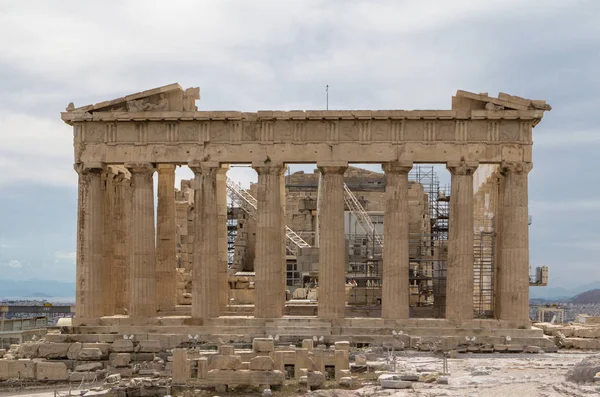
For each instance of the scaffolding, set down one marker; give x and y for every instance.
(232, 232)
(483, 268)
(363, 275)
(427, 251)
(248, 203)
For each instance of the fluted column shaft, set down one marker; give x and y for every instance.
(269, 263)
(205, 267)
(459, 272)
(513, 270)
(332, 264)
(142, 272)
(90, 233)
(166, 295)
(395, 282)
(108, 296)
(121, 253)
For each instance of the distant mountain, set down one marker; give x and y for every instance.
(591, 296)
(36, 288)
(558, 293)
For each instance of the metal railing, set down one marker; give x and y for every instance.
(249, 204)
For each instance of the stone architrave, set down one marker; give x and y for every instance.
(166, 296)
(395, 281)
(459, 272)
(513, 270)
(121, 253)
(332, 269)
(90, 233)
(205, 294)
(269, 264)
(142, 271)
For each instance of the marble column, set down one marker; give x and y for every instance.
(459, 272)
(205, 267)
(90, 233)
(269, 262)
(166, 296)
(395, 281)
(121, 254)
(513, 270)
(222, 236)
(142, 271)
(332, 263)
(108, 266)
(498, 227)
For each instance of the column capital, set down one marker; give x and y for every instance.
(336, 168)
(122, 179)
(269, 169)
(165, 168)
(140, 168)
(397, 167)
(90, 167)
(198, 167)
(514, 167)
(462, 167)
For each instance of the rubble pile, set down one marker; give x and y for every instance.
(76, 362)
(573, 335)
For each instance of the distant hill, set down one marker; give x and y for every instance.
(36, 288)
(591, 296)
(558, 293)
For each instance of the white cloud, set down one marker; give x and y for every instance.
(15, 264)
(60, 256)
(35, 149)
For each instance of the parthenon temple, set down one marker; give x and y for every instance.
(292, 243)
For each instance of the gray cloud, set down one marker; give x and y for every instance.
(274, 54)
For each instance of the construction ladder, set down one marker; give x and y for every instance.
(248, 203)
(364, 220)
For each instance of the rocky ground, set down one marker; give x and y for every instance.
(566, 373)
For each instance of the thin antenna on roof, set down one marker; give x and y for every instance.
(327, 93)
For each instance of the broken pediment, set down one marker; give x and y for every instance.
(464, 100)
(166, 98)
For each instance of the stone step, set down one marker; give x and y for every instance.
(435, 331)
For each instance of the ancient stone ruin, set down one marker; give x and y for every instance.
(154, 293)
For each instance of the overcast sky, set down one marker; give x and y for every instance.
(252, 55)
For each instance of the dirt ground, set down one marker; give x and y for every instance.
(490, 375)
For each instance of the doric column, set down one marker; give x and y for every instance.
(459, 272)
(498, 227)
(166, 296)
(332, 264)
(108, 296)
(205, 267)
(513, 270)
(90, 233)
(395, 282)
(269, 263)
(142, 271)
(222, 235)
(121, 253)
